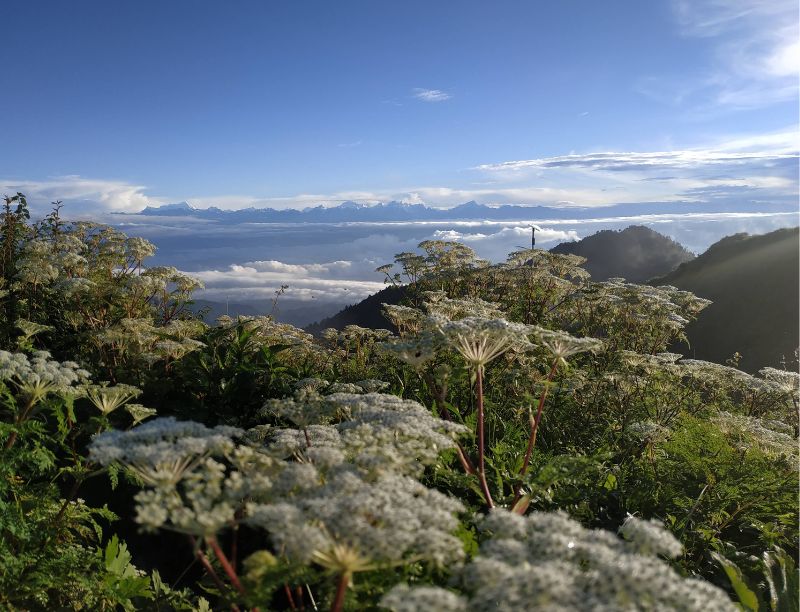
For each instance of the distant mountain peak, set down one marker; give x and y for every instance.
(471, 205)
(176, 207)
(351, 205)
(402, 204)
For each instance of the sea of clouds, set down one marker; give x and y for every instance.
(336, 263)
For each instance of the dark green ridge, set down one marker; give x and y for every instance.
(753, 282)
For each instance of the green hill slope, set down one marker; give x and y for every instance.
(636, 253)
(753, 282)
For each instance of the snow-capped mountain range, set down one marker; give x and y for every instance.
(401, 211)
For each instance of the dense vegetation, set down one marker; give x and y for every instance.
(753, 282)
(636, 253)
(522, 442)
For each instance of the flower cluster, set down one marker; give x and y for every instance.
(563, 345)
(339, 496)
(40, 375)
(351, 524)
(378, 432)
(790, 381)
(547, 561)
(437, 303)
(404, 318)
(306, 408)
(402, 598)
(416, 351)
(139, 413)
(164, 450)
(771, 437)
(480, 340)
(107, 399)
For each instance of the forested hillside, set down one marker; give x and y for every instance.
(366, 313)
(636, 253)
(752, 282)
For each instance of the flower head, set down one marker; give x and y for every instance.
(480, 340)
(107, 399)
(563, 345)
(164, 450)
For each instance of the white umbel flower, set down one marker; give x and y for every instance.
(162, 451)
(480, 340)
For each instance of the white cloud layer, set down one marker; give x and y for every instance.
(258, 280)
(93, 195)
(340, 280)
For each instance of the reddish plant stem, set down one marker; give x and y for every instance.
(439, 393)
(481, 439)
(341, 590)
(464, 460)
(289, 597)
(11, 440)
(210, 569)
(535, 425)
(23, 416)
(226, 565)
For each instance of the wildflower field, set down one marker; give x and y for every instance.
(522, 442)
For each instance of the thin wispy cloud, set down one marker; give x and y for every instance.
(636, 161)
(762, 150)
(750, 168)
(350, 145)
(431, 95)
(755, 60)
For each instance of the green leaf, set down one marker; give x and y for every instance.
(610, 483)
(782, 578)
(747, 597)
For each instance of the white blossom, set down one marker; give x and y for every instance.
(650, 538)
(480, 340)
(423, 598)
(164, 450)
(107, 399)
(548, 562)
(40, 375)
(351, 524)
(563, 345)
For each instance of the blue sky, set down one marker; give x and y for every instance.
(116, 105)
